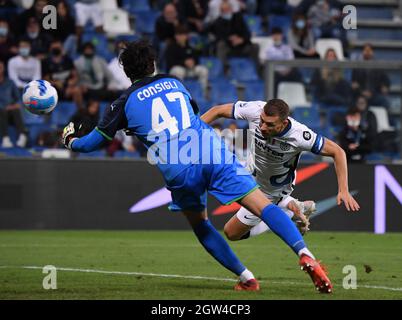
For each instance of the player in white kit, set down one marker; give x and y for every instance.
(277, 143)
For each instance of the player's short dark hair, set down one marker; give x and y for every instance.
(277, 107)
(138, 59)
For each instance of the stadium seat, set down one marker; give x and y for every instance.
(308, 116)
(145, 21)
(15, 152)
(242, 69)
(136, 5)
(30, 118)
(254, 24)
(116, 22)
(35, 130)
(375, 157)
(100, 42)
(322, 45)
(223, 92)
(254, 90)
(263, 43)
(214, 65)
(63, 113)
(335, 117)
(195, 89)
(108, 4)
(294, 93)
(375, 12)
(279, 21)
(381, 115)
(204, 105)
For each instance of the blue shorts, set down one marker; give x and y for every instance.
(226, 182)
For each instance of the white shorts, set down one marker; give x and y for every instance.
(252, 220)
(88, 12)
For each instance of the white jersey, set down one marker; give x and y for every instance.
(273, 161)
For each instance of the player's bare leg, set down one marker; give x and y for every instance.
(282, 225)
(215, 244)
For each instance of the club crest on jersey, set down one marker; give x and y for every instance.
(284, 146)
(306, 135)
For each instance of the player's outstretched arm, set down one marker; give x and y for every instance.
(91, 142)
(221, 111)
(331, 149)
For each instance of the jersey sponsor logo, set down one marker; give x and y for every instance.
(113, 106)
(306, 135)
(284, 146)
(262, 146)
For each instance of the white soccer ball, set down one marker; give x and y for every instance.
(39, 97)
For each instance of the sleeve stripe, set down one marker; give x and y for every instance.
(233, 110)
(318, 144)
(103, 134)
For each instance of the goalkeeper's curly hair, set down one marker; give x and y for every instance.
(138, 59)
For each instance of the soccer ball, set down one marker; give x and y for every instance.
(39, 97)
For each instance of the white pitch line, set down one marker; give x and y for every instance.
(178, 276)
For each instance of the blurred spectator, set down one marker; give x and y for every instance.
(278, 7)
(87, 119)
(372, 83)
(39, 40)
(127, 143)
(88, 11)
(49, 139)
(24, 68)
(121, 81)
(36, 12)
(194, 12)
(329, 86)
(232, 35)
(166, 23)
(8, 47)
(65, 21)
(281, 51)
(301, 38)
(214, 9)
(182, 60)
(59, 70)
(94, 75)
(358, 136)
(10, 111)
(326, 21)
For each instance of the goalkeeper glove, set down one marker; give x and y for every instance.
(69, 135)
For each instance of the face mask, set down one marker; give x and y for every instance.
(56, 52)
(33, 35)
(300, 24)
(226, 16)
(3, 32)
(353, 123)
(24, 52)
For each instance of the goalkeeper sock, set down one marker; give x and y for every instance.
(214, 243)
(282, 225)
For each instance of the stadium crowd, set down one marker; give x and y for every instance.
(217, 47)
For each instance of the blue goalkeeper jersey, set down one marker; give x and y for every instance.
(160, 111)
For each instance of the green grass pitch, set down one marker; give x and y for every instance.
(377, 258)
